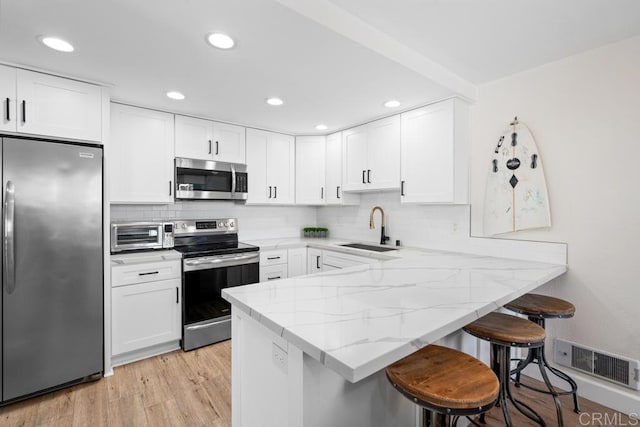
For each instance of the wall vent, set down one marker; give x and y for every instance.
(617, 369)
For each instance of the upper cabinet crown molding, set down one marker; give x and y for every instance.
(41, 104)
(208, 140)
(371, 156)
(435, 153)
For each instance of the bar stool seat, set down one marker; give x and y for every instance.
(538, 308)
(503, 332)
(445, 382)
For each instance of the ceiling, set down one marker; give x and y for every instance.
(332, 61)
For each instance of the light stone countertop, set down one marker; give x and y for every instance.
(358, 320)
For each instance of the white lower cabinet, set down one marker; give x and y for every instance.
(282, 263)
(314, 260)
(146, 305)
(297, 262)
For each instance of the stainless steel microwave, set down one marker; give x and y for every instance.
(135, 236)
(209, 180)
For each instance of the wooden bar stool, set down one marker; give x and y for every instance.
(503, 332)
(538, 308)
(446, 383)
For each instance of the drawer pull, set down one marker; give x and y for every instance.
(273, 278)
(148, 274)
(273, 257)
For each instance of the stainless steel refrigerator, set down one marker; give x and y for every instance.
(52, 268)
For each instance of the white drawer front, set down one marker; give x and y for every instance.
(273, 272)
(146, 272)
(340, 260)
(273, 257)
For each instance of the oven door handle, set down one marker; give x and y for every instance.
(220, 261)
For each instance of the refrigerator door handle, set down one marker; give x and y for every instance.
(9, 243)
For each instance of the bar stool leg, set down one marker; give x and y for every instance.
(504, 364)
(538, 357)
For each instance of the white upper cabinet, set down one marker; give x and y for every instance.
(435, 149)
(371, 156)
(54, 106)
(209, 140)
(310, 170)
(9, 119)
(333, 173)
(141, 155)
(271, 167)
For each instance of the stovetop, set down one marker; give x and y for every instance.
(207, 237)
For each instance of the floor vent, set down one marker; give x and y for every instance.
(610, 367)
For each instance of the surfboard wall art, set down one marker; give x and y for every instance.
(516, 195)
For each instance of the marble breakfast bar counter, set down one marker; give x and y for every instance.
(311, 350)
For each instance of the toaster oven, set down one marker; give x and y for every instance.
(135, 236)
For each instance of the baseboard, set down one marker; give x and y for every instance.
(134, 356)
(612, 396)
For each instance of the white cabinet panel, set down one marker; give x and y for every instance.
(229, 143)
(332, 260)
(434, 154)
(310, 170)
(371, 156)
(383, 153)
(271, 167)
(354, 149)
(273, 272)
(314, 260)
(130, 274)
(334, 194)
(193, 138)
(54, 106)
(209, 140)
(145, 314)
(141, 164)
(297, 262)
(278, 256)
(9, 119)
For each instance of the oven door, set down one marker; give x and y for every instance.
(206, 315)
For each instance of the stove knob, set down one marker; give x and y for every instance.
(184, 226)
(231, 224)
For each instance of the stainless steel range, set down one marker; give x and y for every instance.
(213, 259)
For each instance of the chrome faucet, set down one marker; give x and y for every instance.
(383, 238)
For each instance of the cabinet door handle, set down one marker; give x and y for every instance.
(209, 146)
(363, 181)
(217, 150)
(273, 278)
(368, 176)
(322, 193)
(318, 262)
(338, 192)
(177, 295)
(273, 257)
(275, 192)
(269, 191)
(24, 111)
(8, 105)
(402, 188)
(170, 188)
(148, 273)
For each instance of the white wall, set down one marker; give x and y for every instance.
(254, 222)
(584, 112)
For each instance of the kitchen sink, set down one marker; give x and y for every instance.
(367, 247)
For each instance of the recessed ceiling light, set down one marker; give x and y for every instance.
(175, 95)
(392, 104)
(56, 44)
(274, 101)
(321, 127)
(221, 41)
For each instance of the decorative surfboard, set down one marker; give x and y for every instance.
(516, 195)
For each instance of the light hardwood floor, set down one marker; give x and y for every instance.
(194, 389)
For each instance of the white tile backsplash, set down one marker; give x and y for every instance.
(255, 222)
